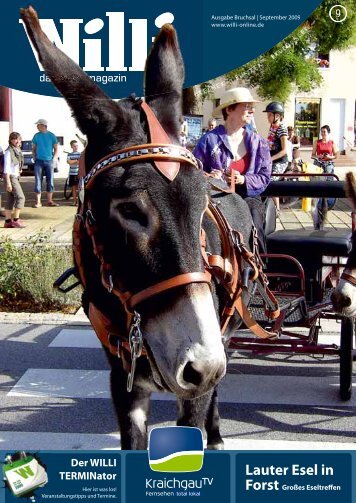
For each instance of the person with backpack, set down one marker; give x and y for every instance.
(13, 162)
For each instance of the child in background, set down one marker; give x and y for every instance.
(13, 162)
(73, 161)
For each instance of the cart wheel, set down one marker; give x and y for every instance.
(345, 351)
(67, 190)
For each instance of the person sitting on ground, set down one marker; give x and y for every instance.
(44, 150)
(13, 162)
(232, 150)
(73, 161)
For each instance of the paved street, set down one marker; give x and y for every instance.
(54, 388)
(54, 392)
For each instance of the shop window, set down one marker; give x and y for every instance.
(307, 120)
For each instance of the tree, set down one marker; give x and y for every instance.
(292, 65)
(331, 35)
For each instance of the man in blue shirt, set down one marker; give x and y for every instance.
(44, 150)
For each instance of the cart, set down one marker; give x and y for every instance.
(303, 266)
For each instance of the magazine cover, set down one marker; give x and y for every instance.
(177, 264)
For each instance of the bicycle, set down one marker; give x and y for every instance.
(322, 205)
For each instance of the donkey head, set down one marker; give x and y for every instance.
(344, 296)
(146, 227)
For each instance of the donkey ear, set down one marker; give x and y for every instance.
(93, 110)
(164, 77)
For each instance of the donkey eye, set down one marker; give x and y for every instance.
(130, 211)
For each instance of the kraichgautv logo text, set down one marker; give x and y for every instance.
(176, 449)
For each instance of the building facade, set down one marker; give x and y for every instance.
(332, 103)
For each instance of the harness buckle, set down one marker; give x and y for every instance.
(136, 344)
(90, 218)
(111, 284)
(236, 240)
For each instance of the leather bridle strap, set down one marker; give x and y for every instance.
(131, 300)
(139, 153)
(163, 286)
(349, 278)
(165, 156)
(168, 168)
(235, 252)
(110, 336)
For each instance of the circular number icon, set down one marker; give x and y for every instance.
(338, 13)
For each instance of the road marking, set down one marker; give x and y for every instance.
(37, 441)
(68, 383)
(236, 444)
(236, 388)
(31, 440)
(70, 338)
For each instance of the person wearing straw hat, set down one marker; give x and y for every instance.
(233, 149)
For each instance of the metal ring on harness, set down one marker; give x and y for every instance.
(166, 158)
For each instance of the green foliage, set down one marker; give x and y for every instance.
(291, 64)
(28, 271)
(330, 35)
(206, 91)
(278, 75)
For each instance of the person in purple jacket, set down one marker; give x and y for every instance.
(235, 150)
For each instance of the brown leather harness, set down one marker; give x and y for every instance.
(226, 268)
(349, 276)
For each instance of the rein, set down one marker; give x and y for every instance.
(227, 268)
(348, 276)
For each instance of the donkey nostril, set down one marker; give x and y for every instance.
(340, 301)
(345, 301)
(191, 375)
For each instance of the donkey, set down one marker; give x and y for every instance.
(139, 228)
(343, 297)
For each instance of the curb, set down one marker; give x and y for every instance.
(45, 318)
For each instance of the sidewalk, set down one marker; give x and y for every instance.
(338, 218)
(55, 318)
(296, 218)
(59, 221)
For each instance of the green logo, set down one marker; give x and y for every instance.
(176, 449)
(23, 474)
